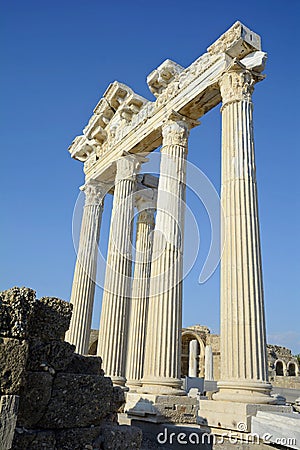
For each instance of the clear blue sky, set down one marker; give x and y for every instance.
(57, 59)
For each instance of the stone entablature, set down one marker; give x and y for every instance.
(124, 116)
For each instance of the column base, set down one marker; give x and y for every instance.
(256, 392)
(133, 385)
(161, 386)
(118, 381)
(234, 415)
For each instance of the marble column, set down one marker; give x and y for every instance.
(117, 288)
(146, 204)
(193, 358)
(83, 289)
(209, 369)
(163, 347)
(244, 375)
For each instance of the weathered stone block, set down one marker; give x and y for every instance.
(78, 401)
(33, 440)
(86, 365)
(16, 308)
(53, 355)
(13, 356)
(77, 438)
(51, 319)
(119, 437)
(34, 398)
(8, 419)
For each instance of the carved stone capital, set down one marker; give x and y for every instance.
(127, 167)
(176, 129)
(237, 85)
(94, 192)
(146, 199)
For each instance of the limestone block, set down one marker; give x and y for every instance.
(162, 408)
(51, 319)
(238, 41)
(120, 437)
(85, 365)
(16, 308)
(13, 356)
(159, 78)
(280, 428)
(255, 61)
(34, 398)
(77, 438)
(34, 440)
(54, 355)
(77, 401)
(8, 419)
(234, 415)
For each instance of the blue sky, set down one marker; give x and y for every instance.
(57, 59)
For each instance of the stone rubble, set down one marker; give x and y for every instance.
(65, 401)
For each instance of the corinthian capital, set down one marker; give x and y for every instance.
(128, 167)
(237, 85)
(176, 129)
(94, 192)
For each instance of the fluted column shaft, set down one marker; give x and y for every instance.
(163, 347)
(83, 288)
(115, 302)
(243, 336)
(140, 289)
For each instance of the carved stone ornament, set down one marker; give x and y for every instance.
(237, 85)
(236, 42)
(146, 199)
(128, 167)
(81, 148)
(176, 129)
(159, 78)
(94, 192)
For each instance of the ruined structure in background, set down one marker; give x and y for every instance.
(54, 397)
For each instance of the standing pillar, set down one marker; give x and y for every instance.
(163, 348)
(115, 302)
(244, 375)
(83, 289)
(209, 369)
(145, 202)
(193, 358)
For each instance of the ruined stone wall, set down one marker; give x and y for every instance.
(63, 400)
(214, 341)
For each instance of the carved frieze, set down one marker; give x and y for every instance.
(237, 42)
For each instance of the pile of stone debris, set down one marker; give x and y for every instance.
(51, 397)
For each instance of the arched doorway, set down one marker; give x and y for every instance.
(186, 347)
(279, 368)
(291, 369)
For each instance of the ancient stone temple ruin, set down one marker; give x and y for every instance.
(141, 319)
